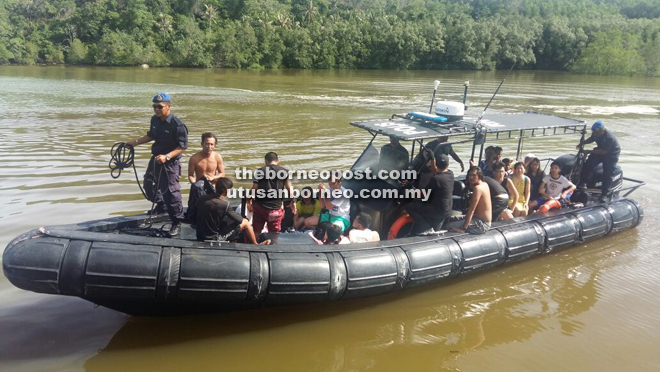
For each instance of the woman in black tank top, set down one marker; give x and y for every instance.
(535, 175)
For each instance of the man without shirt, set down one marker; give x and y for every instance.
(206, 164)
(217, 221)
(479, 214)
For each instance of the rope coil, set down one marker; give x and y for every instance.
(122, 157)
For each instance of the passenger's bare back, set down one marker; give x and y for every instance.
(484, 207)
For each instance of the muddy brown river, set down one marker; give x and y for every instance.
(593, 307)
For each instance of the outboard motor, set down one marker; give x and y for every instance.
(566, 164)
(595, 179)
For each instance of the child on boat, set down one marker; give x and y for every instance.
(306, 207)
(507, 167)
(327, 233)
(360, 232)
(335, 201)
(555, 188)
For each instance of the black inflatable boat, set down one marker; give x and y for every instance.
(155, 276)
(107, 263)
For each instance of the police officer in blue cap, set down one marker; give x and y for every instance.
(607, 152)
(161, 181)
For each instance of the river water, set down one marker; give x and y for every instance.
(591, 307)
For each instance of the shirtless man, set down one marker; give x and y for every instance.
(206, 164)
(478, 217)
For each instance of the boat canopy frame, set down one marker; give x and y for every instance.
(505, 126)
(509, 126)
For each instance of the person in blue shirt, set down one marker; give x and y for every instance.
(607, 152)
(161, 181)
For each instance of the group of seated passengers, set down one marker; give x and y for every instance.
(497, 193)
(327, 233)
(328, 217)
(493, 198)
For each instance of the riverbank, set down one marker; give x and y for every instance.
(604, 37)
(594, 304)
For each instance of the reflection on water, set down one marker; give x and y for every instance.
(594, 305)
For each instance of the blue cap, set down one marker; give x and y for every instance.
(162, 97)
(598, 125)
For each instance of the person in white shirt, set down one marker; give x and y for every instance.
(335, 202)
(360, 232)
(327, 233)
(555, 188)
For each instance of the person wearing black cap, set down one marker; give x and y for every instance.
(607, 152)
(432, 213)
(216, 221)
(394, 156)
(170, 136)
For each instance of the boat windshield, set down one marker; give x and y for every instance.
(368, 159)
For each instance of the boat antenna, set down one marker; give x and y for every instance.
(466, 85)
(435, 89)
(497, 90)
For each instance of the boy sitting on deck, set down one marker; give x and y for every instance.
(360, 232)
(555, 188)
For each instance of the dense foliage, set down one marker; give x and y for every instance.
(590, 36)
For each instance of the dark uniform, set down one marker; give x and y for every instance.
(161, 181)
(433, 212)
(610, 144)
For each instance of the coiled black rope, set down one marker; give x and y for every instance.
(123, 156)
(120, 159)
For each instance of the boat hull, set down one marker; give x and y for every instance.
(158, 276)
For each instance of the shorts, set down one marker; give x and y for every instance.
(476, 227)
(272, 218)
(541, 200)
(231, 235)
(335, 220)
(520, 206)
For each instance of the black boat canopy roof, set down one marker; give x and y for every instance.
(514, 125)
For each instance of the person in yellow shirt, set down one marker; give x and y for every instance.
(305, 207)
(522, 184)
